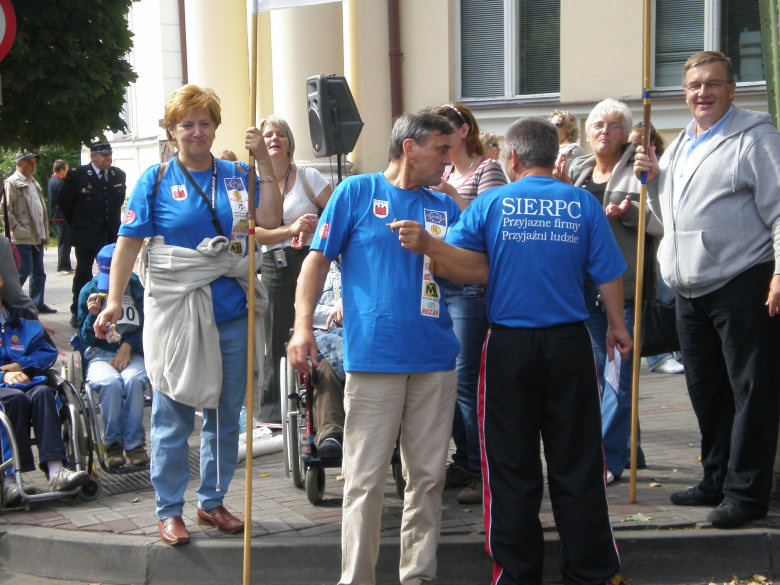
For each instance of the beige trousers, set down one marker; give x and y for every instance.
(376, 405)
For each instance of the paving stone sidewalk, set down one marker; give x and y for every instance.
(281, 512)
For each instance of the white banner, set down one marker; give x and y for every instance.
(265, 5)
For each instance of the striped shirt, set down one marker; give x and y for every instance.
(487, 175)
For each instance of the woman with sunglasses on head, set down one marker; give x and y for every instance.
(472, 172)
(568, 134)
(304, 194)
(490, 140)
(608, 175)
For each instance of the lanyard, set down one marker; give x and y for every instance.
(286, 178)
(213, 204)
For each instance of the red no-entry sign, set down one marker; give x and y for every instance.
(7, 27)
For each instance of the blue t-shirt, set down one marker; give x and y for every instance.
(543, 236)
(395, 320)
(180, 214)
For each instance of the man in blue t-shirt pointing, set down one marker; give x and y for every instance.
(532, 241)
(399, 348)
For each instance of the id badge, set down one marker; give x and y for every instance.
(239, 205)
(280, 258)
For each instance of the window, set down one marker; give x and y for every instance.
(509, 48)
(683, 27)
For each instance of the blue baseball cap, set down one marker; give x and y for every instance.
(104, 265)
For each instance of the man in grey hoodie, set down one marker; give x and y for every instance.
(717, 188)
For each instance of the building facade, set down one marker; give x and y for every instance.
(503, 58)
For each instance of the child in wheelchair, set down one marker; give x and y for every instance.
(115, 368)
(29, 402)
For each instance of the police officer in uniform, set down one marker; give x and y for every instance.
(91, 201)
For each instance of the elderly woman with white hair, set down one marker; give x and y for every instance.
(608, 175)
(304, 193)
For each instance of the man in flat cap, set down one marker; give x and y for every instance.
(28, 224)
(91, 201)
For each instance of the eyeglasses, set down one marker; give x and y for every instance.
(697, 86)
(491, 145)
(611, 127)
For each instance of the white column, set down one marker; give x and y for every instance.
(305, 41)
(367, 68)
(217, 57)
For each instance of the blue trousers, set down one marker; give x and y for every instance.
(466, 305)
(35, 407)
(32, 265)
(120, 395)
(615, 402)
(173, 422)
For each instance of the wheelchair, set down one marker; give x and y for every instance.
(76, 438)
(95, 426)
(298, 433)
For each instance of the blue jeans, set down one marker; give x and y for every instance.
(615, 402)
(32, 265)
(466, 305)
(331, 347)
(172, 424)
(120, 396)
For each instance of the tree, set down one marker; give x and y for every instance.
(64, 80)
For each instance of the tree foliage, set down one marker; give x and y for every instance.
(64, 80)
(48, 155)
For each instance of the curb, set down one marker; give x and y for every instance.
(648, 556)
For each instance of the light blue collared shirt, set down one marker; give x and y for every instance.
(691, 156)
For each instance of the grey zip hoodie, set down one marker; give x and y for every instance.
(728, 219)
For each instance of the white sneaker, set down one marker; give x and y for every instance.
(65, 480)
(610, 477)
(670, 366)
(11, 495)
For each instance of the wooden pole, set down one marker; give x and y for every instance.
(250, 346)
(640, 254)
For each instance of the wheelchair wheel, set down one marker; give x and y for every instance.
(291, 421)
(284, 391)
(74, 437)
(91, 490)
(315, 484)
(294, 454)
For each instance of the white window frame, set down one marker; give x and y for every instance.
(711, 43)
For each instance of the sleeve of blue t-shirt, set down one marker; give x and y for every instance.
(137, 221)
(331, 237)
(469, 230)
(605, 260)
